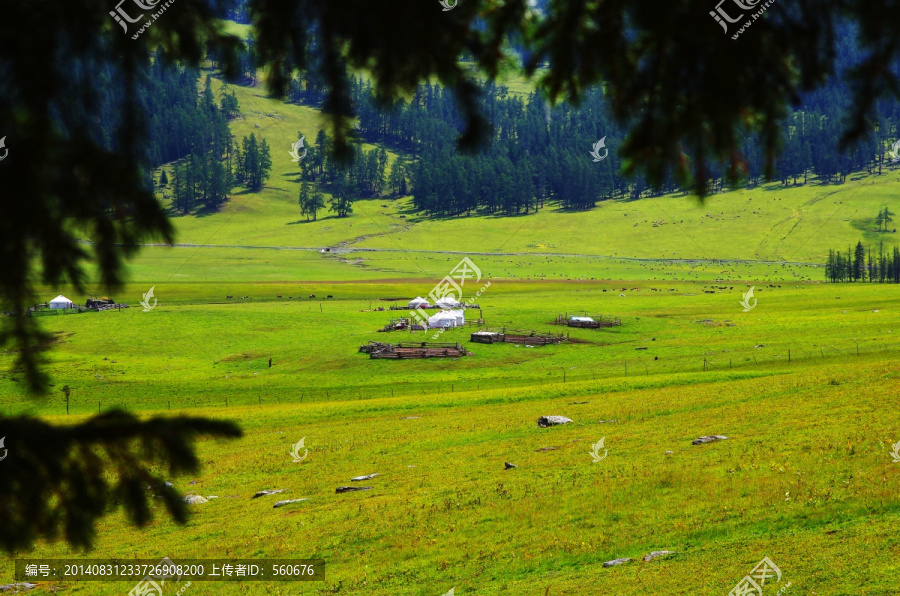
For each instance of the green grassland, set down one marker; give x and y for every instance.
(805, 477)
(804, 385)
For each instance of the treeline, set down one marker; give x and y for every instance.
(364, 175)
(542, 155)
(863, 264)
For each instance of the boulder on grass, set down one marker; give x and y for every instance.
(710, 439)
(350, 489)
(20, 587)
(657, 553)
(266, 493)
(547, 421)
(615, 562)
(288, 502)
(361, 478)
(194, 500)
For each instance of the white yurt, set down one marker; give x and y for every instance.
(447, 319)
(581, 319)
(61, 302)
(417, 302)
(447, 303)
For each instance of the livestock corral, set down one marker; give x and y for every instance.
(586, 321)
(404, 350)
(530, 338)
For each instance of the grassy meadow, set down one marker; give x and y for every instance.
(804, 385)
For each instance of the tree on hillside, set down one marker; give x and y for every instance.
(341, 202)
(311, 202)
(885, 216)
(255, 163)
(229, 103)
(859, 262)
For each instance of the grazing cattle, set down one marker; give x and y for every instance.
(279, 295)
(329, 296)
(229, 297)
(311, 296)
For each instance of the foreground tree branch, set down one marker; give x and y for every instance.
(62, 479)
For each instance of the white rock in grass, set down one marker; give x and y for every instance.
(194, 500)
(361, 478)
(266, 493)
(615, 562)
(657, 553)
(547, 421)
(710, 439)
(288, 502)
(20, 587)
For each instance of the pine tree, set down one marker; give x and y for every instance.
(304, 200)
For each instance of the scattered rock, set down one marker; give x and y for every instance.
(212, 496)
(17, 587)
(288, 502)
(668, 453)
(194, 500)
(510, 466)
(547, 449)
(547, 421)
(361, 478)
(410, 418)
(579, 403)
(657, 553)
(615, 562)
(350, 489)
(712, 439)
(266, 493)
(192, 482)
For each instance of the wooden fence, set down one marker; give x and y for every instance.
(598, 322)
(530, 338)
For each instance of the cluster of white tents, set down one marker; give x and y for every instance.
(445, 319)
(61, 302)
(450, 315)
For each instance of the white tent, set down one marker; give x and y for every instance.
(447, 319)
(447, 303)
(61, 302)
(417, 302)
(582, 319)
